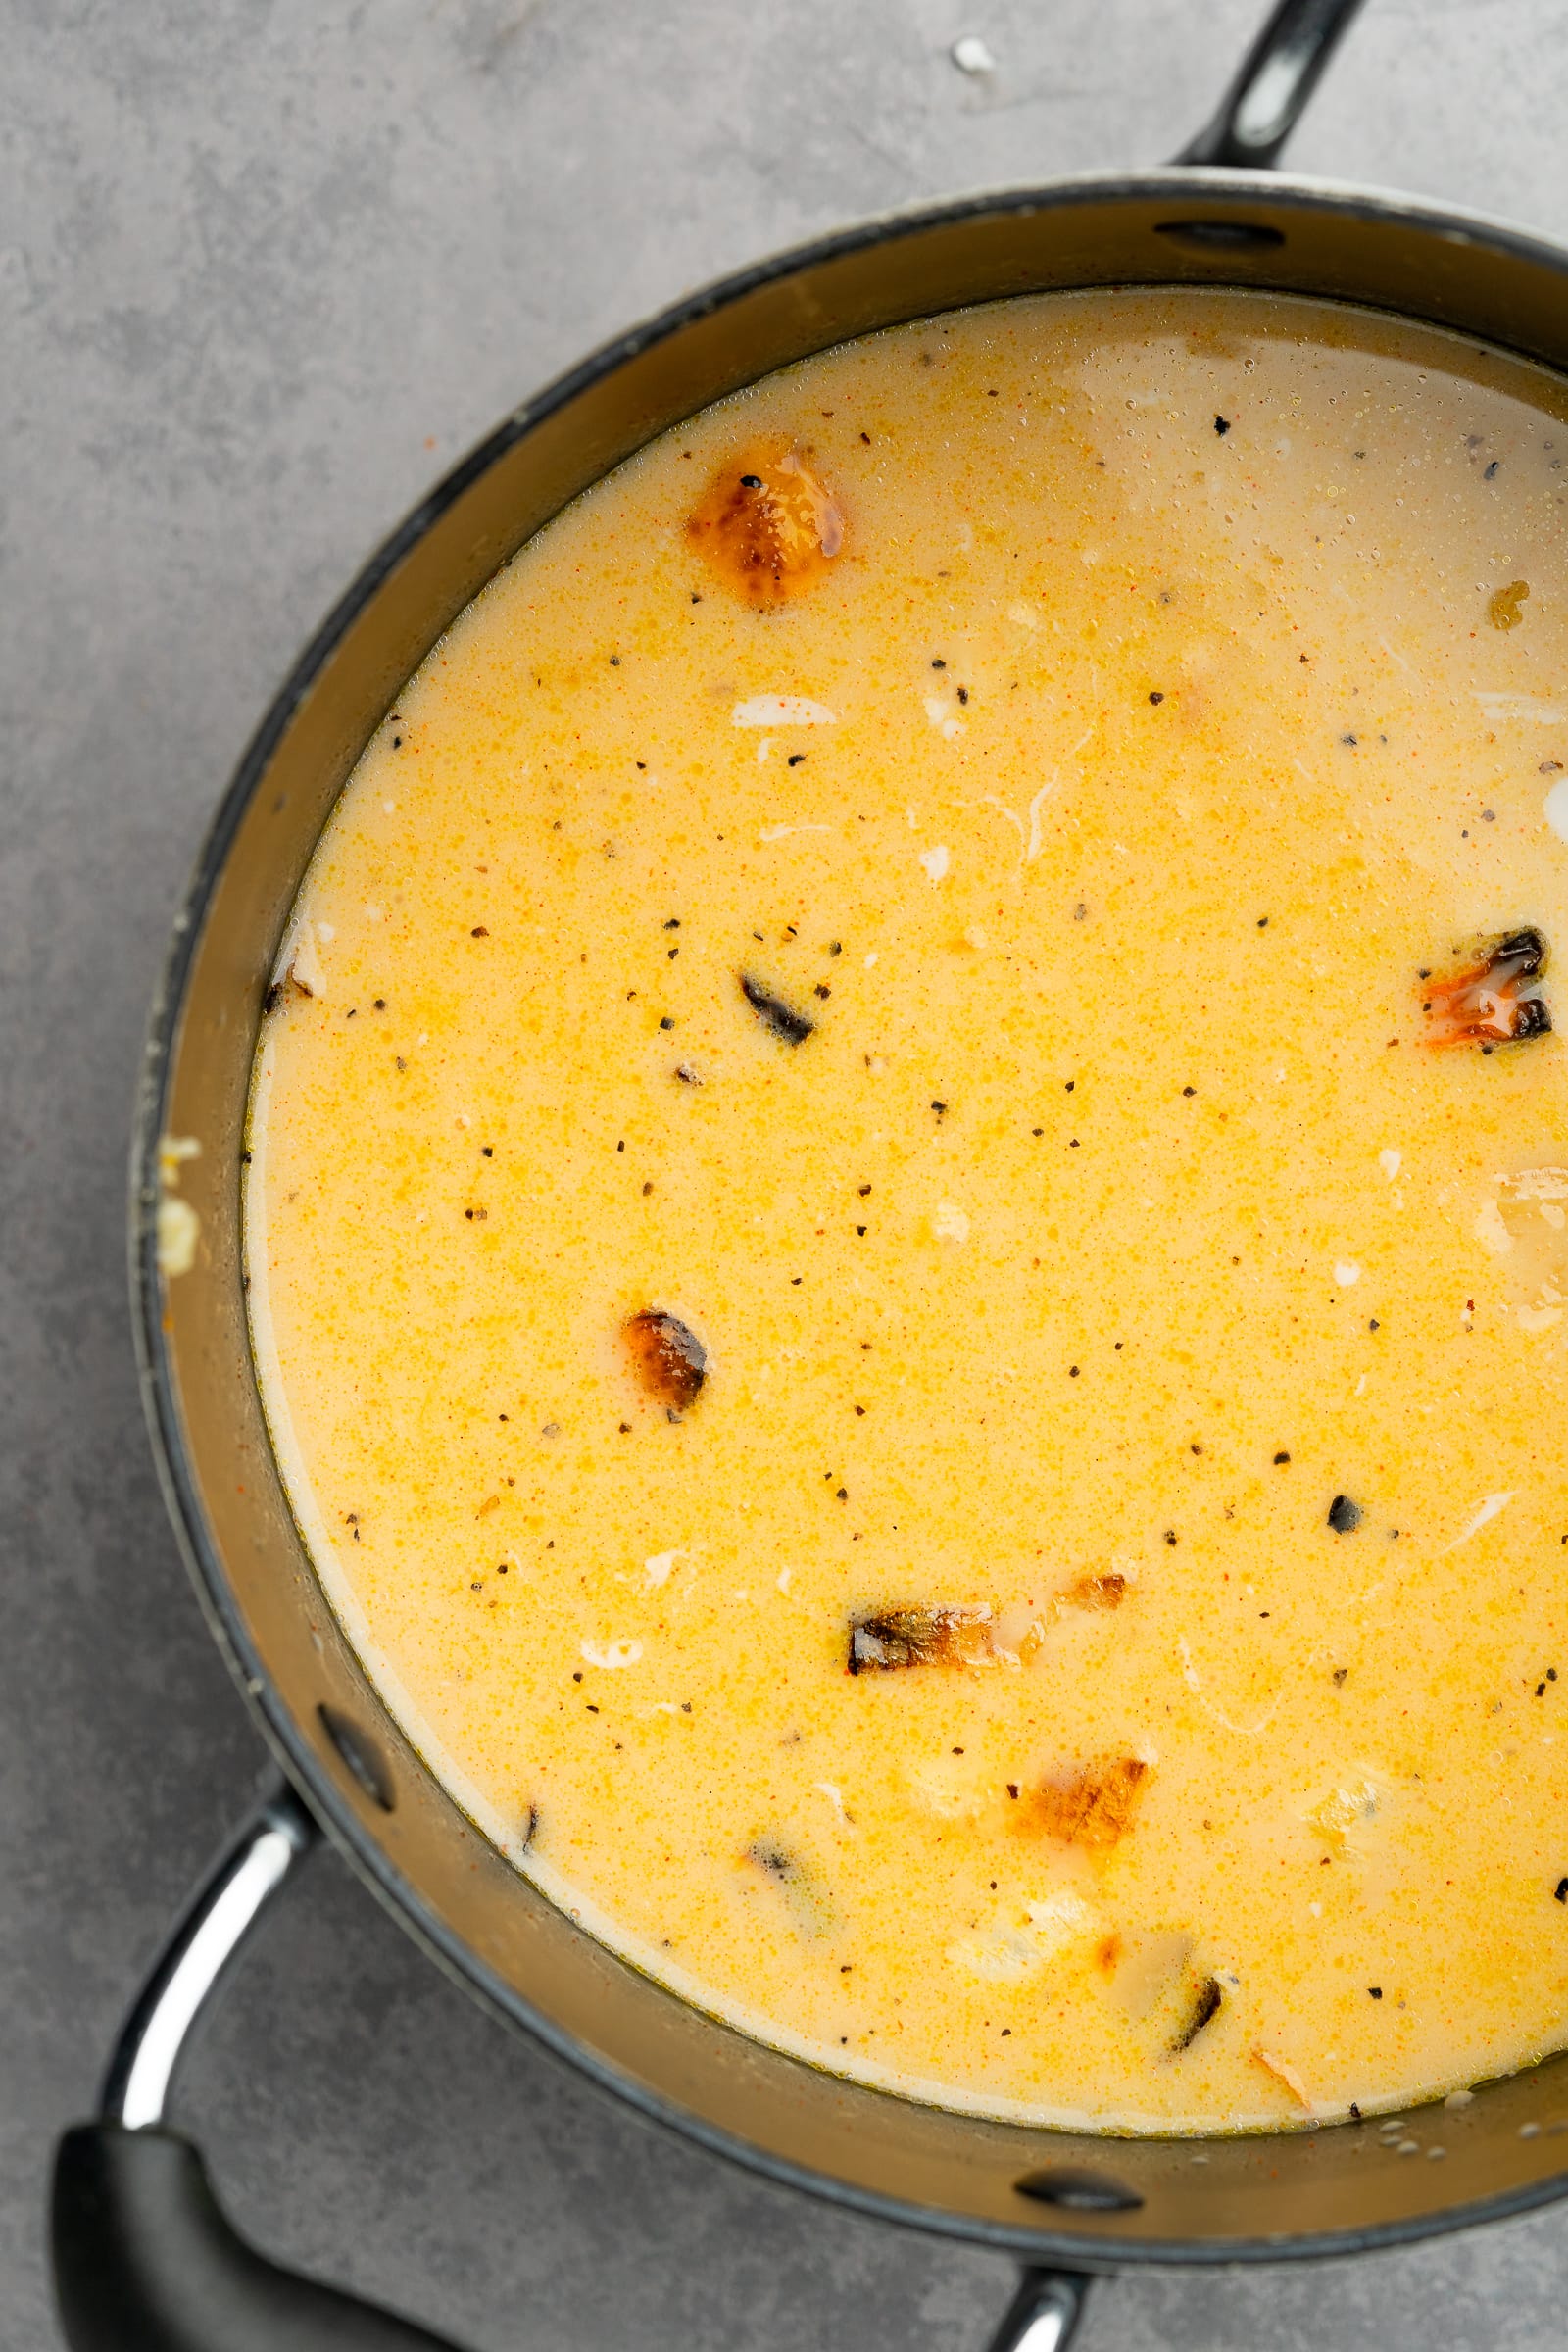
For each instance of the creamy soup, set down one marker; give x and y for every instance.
(909, 1211)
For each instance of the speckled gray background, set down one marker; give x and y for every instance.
(265, 267)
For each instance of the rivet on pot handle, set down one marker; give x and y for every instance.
(1278, 75)
(145, 2259)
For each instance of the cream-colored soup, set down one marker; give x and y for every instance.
(997, 892)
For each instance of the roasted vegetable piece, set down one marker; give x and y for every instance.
(919, 1637)
(671, 1363)
(767, 524)
(1091, 1592)
(1093, 1806)
(784, 1021)
(1486, 1004)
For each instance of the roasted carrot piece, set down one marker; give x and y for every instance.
(767, 525)
(1485, 1003)
(1092, 1806)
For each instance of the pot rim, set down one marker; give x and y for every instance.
(1190, 189)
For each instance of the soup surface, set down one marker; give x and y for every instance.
(908, 1213)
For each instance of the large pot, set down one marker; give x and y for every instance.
(143, 2254)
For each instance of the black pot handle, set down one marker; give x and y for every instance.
(146, 2260)
(1277, 77)
(1044, 2315)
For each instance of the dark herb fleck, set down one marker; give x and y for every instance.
(1222, 425)
(793, 1027)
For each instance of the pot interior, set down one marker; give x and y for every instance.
(1092, 2201)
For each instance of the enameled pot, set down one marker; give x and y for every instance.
(143, 2255)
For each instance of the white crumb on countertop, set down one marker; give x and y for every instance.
(971, 55)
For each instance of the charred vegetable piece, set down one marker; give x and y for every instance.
(1092, 1592)
(1345, 1516)
(1486, 1004)
(919, 1637)
(767, 524)
(784, 1021)
(1206, 2003)
(671, 1363)
(1094, 1807)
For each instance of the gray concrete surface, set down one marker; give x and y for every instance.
(265, 268)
